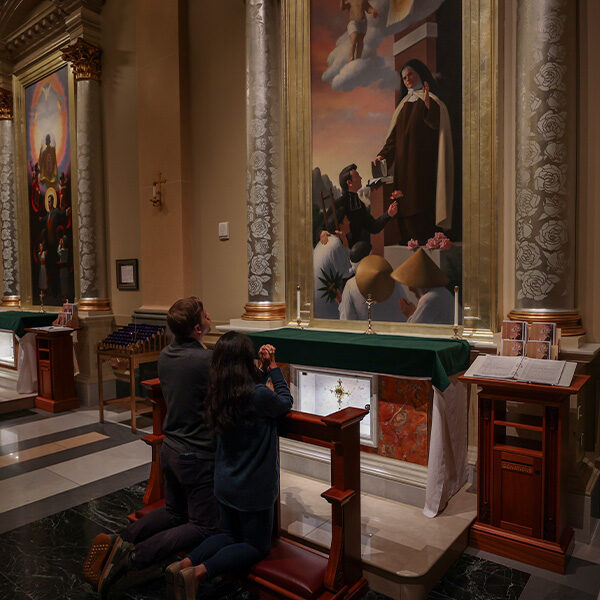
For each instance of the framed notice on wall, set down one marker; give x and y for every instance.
(127, 274)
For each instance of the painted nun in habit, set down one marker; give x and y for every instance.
(419, 144)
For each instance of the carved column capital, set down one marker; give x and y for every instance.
(6, 104)
(84, 59)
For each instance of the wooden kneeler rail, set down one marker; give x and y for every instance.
(293, 570)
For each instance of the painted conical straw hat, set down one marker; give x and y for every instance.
(373, 277)
(419, 271)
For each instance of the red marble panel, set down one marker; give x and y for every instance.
(403, 418)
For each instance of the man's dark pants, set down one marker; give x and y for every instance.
(190, 513)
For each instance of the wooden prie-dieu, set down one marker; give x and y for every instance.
(293, 570)
(521, 474)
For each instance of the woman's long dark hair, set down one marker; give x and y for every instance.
(233, 376)
(423, 72)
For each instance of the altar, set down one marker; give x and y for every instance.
(418, 408)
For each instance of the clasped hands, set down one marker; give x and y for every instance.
(266, 357)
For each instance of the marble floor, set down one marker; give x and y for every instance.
(64, 478)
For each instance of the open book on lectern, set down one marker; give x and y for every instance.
(523, 369)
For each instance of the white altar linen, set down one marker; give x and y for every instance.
(447, 468)
(27, 372)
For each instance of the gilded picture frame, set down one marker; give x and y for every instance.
(23, 77)
(480, 101)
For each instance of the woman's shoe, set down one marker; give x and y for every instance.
(96, 558)
(186, 584)
(171, 572)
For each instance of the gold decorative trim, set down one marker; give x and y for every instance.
(94, 305)
(264, 312)
(11, 301)
(480, 45)
(568, 322)
(85, 59)
(6, 105)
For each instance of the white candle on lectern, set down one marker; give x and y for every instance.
(298, 303)
(455, 305)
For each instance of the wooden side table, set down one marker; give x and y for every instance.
(55, 373)
(521, 473)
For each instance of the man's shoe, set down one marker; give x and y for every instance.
(173, 591)
(117, 564)
(96, 558)
(186, 584)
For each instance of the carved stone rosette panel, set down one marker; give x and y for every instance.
(264, 169)
(546, 155)
(90, 198)
(8, 228)
(85, 59)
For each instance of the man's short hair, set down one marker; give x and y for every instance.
(340, 213)
(345, 175)
(359, 251)
(184, 315)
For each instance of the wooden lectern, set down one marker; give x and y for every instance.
(55, 373)
(521, 471)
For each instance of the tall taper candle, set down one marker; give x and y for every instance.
(298, 304)
(455, 305)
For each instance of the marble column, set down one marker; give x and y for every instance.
(8, 229)
(264, 169)
(546, 138)
(85, 62)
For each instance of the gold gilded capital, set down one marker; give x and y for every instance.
(6, 104)
(84, 58)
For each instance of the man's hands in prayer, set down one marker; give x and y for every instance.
(407, 308)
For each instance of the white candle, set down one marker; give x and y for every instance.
(298, 303)
(455, 305)
(154, 190)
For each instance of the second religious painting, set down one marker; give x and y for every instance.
(49, 189)
(386, 102)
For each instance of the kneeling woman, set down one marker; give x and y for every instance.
(243, 413)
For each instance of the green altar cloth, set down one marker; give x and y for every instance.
(436, 358)
(19, 320)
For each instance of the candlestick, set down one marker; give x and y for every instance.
(455, 305)
(298, 317)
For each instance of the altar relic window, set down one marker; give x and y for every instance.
(325, 391)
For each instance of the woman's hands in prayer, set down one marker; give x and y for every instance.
(266, 355)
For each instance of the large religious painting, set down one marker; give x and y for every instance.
(386, 106)
(49, 189)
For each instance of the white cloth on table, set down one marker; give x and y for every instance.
(27, 373)
(447, 468)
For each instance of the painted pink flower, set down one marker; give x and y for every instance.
(432, 244)
(446, 244)
(413, 244)
(439, 235)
